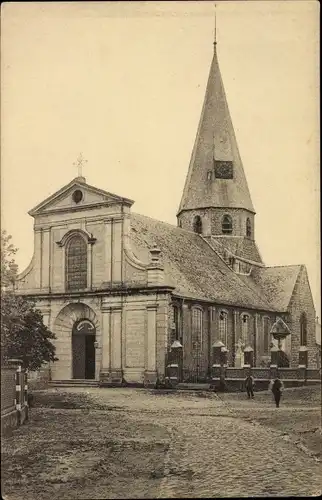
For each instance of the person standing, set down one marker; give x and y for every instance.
(249, 385)
(277, 387)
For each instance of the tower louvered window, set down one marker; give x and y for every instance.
(248, 228)
(227, 224)
(76, 263)
(197, 224)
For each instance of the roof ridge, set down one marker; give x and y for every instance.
(164, 222)
(287, 265)
(253, 289)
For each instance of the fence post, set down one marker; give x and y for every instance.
(174, 365)
(19, 393)
(217, 358)
(26, 394)
(249, 356)
(303, 361)
(17, 364)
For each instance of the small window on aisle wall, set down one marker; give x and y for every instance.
(245, 328)
(266, 335)
(197, 224)
(197, 329)
(303, 329)
(248, 228)
(227, 224)
(223, 327)
(76, 263)
(175, 322)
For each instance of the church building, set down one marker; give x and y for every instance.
(118, 288)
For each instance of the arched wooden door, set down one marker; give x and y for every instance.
(83, 348)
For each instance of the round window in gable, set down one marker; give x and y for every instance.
(77, 196)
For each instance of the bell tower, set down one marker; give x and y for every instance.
(216, 201)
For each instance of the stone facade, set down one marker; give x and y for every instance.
(125, 299)
(211, 219)
(130, 300)
(139, 284)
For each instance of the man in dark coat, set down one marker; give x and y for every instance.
(249, 385)
(276, 387)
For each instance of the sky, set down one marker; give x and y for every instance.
(124, 83)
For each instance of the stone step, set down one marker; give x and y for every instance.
(192, 386)
(73, 383)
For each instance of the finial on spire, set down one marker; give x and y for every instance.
(215, 32)
(79, 163)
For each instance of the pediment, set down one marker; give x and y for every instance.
(77, 195)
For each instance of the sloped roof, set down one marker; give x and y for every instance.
(215, 140)
(276, 284)
(192, 266)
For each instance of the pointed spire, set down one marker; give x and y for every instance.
(215, 32)
(216, 175)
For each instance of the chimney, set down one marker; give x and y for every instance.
(155, 268)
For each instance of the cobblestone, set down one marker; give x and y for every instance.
(213, 452)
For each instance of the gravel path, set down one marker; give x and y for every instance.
(213, 452)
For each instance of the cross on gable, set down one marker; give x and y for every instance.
(79, 163)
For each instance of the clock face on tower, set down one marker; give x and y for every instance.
(223, 169)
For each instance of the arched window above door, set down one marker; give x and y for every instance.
(76, 263)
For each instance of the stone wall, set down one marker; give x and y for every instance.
(8, 389)
(302, 302)
(211, 330)
(131, 332)
(14, 404)
(212, 220)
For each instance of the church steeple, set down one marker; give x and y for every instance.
(216, 176)
(216, 201)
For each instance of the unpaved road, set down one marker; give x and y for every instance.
(136, 443)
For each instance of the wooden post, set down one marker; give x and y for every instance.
(303, 357)
(249, 356)
(26, 393)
